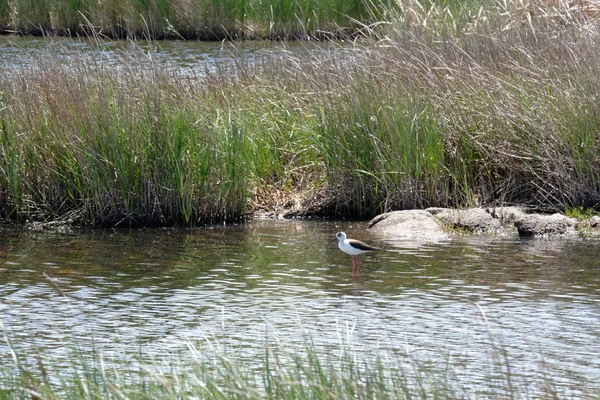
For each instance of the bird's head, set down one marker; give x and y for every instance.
(340, 236)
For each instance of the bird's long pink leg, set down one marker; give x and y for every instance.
(357, 267)
(353, 265)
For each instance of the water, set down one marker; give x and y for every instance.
(188, 57)
(465, 302)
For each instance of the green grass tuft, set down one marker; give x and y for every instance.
(205, 370)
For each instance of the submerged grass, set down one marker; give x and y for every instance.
(500, 104)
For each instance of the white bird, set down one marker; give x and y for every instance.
(354, 248)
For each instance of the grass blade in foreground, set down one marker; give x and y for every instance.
(299, 372)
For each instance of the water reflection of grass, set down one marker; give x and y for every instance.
(430, 110)
(281, 372)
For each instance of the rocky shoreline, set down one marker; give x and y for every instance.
(438, 223)
(443, 223)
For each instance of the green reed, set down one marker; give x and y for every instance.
(111, 153)
(385, 148)
(207, 370)
(424, 113)
(195, 19)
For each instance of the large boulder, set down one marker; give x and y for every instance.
(542, 225)
(417, 224)
(437, 223)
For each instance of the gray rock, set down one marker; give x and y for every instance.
(476, 220)
(542, 225)
(507, 215)
(418, 224)
(437, 223)
(436, 210)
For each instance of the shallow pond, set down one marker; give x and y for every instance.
(459, 304)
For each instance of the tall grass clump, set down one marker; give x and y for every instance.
(109, 149)
(499, 103)
(384, 148)
(195, 19)
(437, 109)
(143, 145)
(430, 110)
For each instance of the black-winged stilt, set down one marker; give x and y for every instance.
(354, 248)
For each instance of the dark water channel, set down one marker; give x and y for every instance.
(448, 303)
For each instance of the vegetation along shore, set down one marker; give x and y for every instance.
(189, 19)
(431, 105)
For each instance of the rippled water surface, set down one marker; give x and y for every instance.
(191, 57)
(530, 305)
